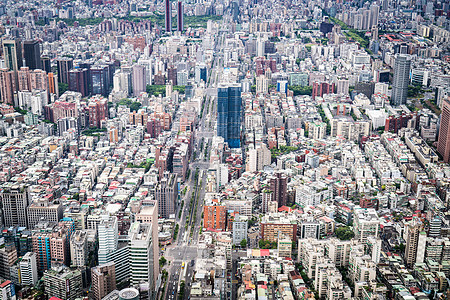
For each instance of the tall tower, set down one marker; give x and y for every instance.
(168, 15)
(12, 52)
(229, 110)
(278, 186)
(180, 16)
(443, 145)
(138, 79)
(32, 54)
(15, 201)
(415, 242)
(64, 66)
(402, 67)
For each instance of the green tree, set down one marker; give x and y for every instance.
(62, 87)
(162, 261)
(301, 90)
(344, 233)
(267, 244)
(135, 106)
(244, 243)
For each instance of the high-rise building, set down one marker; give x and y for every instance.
(28, 269)
(172, 75)
(149, 214)
(138, 80)
(103, 280)
(141, 255)
(258, 158)
(64, 65)
(15, 200)
(98, 111)
(44, 210)
(8, 86)
(278, 186)
(63, 283)
(32, 54)
(51, 243)
(214, 217)
(12, 52)
(108, 233)
(366, 223)
(46, 64)
(53, 84)
(201, 73)
(78, 81)
(23, 79)
(99, 80)
(443, 145)
(38, 80)
(7, 290)
(400, 83)
(415, 242)
(8, 256)
(79, 248)
(240, 229)
(262, 84)
(180, 16)
(168, 15)
(229, 111)
(167, 194)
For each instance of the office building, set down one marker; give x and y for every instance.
(443, 146)
(28, 269)
(15, 200)
(12, 52)
(44, 210)
(64, 65)
(63, 283)
(201, 73)
(141, 255)
(400, 83)
(416, 238)
(108, 234)
(180, 16)
(46, 64)
(149, 214)
(32, 54)
(99, 80)
(111, 248)
(138, 80)
(78, 81)
(79, 248)
(278, 186)
(167, 195)
(229, 111)
(103, 280)
(168, 15)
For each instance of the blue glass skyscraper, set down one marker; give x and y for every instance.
(229, 110)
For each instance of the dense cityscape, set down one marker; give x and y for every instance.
(224, 150)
